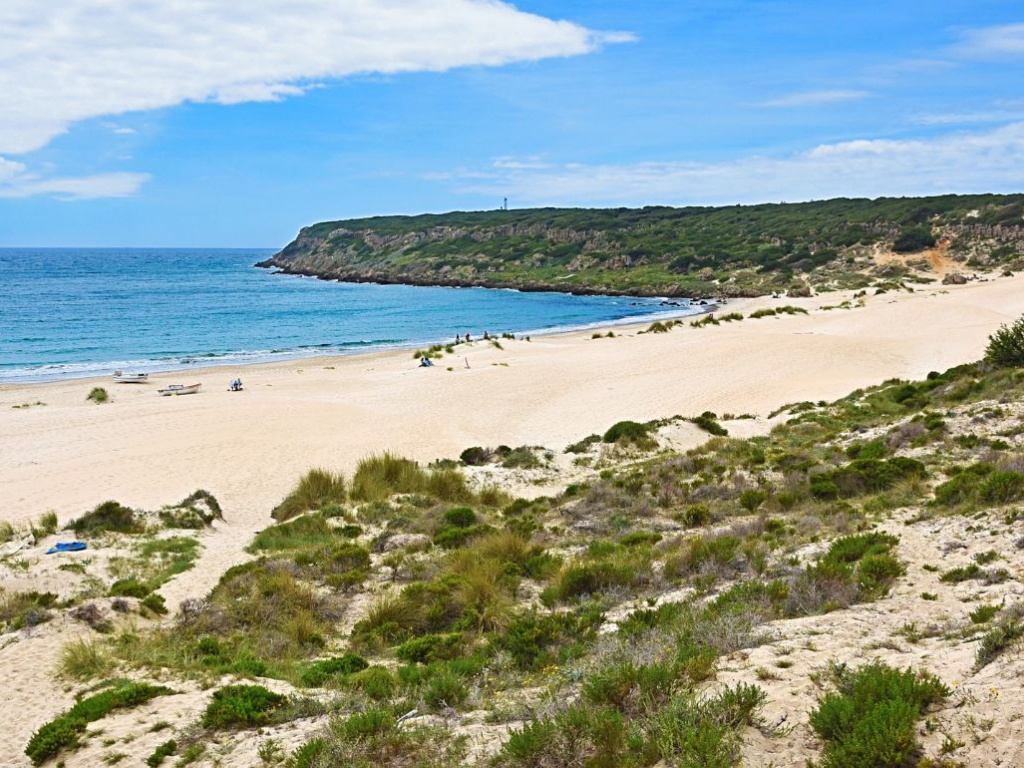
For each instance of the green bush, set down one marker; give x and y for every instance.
(460, 517)
(429, 648)
(627, 432)
(752, 498)
(242, 706)
(319, 672)
(444, 689)
(98, 395)
(376, 682)
(64, 732)
(862, 476)
(107, 517)
(475, 456)
(308, 755)
(451, 537)
(130, 588)
(1006, 346)
(522, 457)
(914, 239)
(869, 721)
(161, 753)
(996, 641)
(708, 421)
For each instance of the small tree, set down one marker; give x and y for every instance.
(1006, 346)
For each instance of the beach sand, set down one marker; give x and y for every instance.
(248, 448)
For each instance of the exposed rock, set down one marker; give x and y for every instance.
(954, 278)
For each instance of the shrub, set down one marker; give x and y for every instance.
(752, 498)
(583, 445)
(155, 603)
(374, 739)
(475, 456)
(319, 672)
(460, 517)
(161, 753)
(709, 423)
(522, 457)
(914, 239)
(376, 682)
(444, 689)
(580, 735)
(130, 588)
(25, 609)
(98, 395)
(1006, 346)
(65, 731)
(627, 432)
(429, 648)
(241, 706)
(316, 489)
(869, 721)
(863, 476)
(107, 517)
(997, 640)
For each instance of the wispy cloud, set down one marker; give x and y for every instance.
(969, 118)
(1006, 40)
(960, 162)
(815, 98)
(87, 58)
(17, 181)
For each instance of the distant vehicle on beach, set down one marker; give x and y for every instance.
(121, 377)
(179, 389)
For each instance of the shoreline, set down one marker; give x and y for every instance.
(271, 357)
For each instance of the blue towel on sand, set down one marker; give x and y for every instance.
(66, 546)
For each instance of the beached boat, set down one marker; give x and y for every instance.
(179, 389)
(130, 378)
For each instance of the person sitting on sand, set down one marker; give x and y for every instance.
(426, 362)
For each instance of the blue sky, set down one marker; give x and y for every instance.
(215, 123)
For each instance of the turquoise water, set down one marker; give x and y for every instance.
(68, 313)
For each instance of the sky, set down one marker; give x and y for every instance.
(215, 123)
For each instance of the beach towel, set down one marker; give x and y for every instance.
(66, 546)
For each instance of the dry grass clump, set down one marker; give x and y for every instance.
(315, 490)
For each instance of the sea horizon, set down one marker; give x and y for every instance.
(71, 313)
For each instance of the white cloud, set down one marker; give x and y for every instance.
(17, 181)
(988, 42)
(962, 162)
(75, 59)
(815, 98)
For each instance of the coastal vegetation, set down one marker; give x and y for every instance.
(665, 608)
(662, 251)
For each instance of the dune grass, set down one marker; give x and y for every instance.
(316, 489)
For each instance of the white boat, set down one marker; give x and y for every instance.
(179, 389)
(130, 378)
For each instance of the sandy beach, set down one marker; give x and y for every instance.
(248, 448)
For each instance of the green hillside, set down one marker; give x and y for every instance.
(694, 251)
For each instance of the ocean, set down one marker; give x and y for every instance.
(70, 313)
